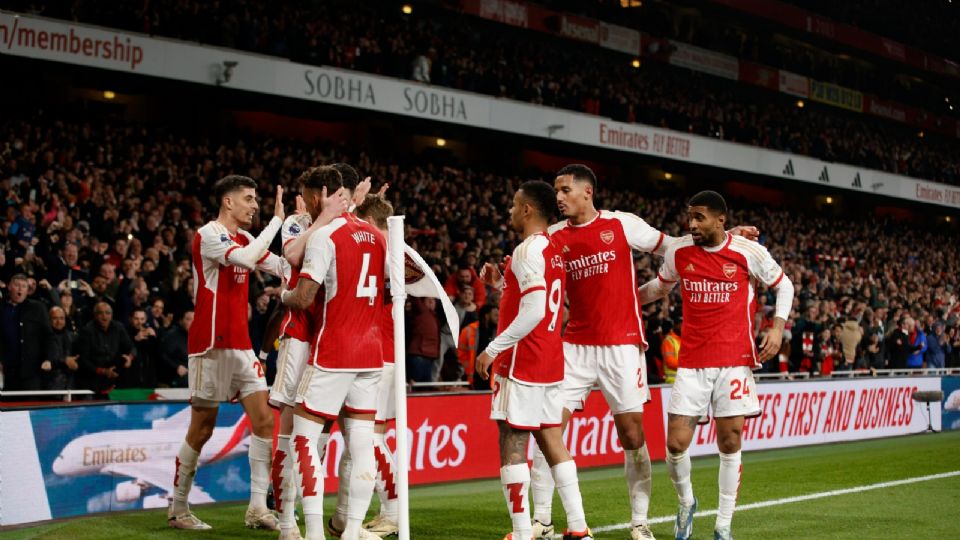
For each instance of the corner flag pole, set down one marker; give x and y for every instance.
(398, 292)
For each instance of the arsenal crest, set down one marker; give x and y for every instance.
(729, 270)
(607, 237)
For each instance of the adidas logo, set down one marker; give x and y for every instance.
(690, 268)
(856, 181)
(788, 170)
(824, 176)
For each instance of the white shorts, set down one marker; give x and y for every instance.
(525, 406)
(386, 395)
(291, 363)
(323, 393)
(619, 370)
(224, 374)
(729, 391)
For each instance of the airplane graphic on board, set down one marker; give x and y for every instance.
(148, 456)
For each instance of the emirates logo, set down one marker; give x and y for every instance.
(729, 270)
(607, 237)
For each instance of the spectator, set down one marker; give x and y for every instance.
(465, 306)
(806, 340)
(423, 66)
(851, 334)
(474, 337)
(104, 350)
(24, 337)
(143, 372)
(174, 364)
(938, 347)
(918, 342)
(62, 363)
(670, 350)
(423, 351)
(466, 276)
(900, 344)
(64, 270)
(872, 356)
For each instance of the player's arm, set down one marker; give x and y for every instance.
(764, 268)
(317, 260)
(216, 245)
(529, 267)
(660, 286)
(295, 245)
(642, 237)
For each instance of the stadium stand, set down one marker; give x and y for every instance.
(496, 59)
(105, 210)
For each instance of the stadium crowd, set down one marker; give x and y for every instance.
(499, 60)
(98, 219)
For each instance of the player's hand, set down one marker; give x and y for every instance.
(333, 206)
(278, 204)
(747, 231)
(770, 344)
(483, 365)
(301, 206)
(490, 274)
(360, 193)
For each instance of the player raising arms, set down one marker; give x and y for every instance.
(717, 272)
(222, 364)
(604, 341)
(347, 257)
(529, 362)
(318, 211)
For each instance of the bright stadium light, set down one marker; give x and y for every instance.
(920, 134)
(800, 103)
(667, 176)
(635, 63)
(407, 9)
(109, 94)
(441, 142)
(829, 200)
(948, 219)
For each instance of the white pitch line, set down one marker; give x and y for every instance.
(789, 500)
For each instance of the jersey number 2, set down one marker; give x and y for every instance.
(368, 290)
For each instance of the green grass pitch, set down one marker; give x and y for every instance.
(476, 510)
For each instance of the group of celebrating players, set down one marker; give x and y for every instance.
(336, 355)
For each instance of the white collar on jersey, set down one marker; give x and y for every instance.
(726, 241)
(594, 218)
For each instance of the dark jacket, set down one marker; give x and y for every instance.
(31, 333)
(899, 348)
(60, 377)
(99, 350)
(173, 353)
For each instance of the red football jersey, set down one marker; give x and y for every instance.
(296, 323)
(601, 280)
(719, 298)
(386, 330)
(347, 257)
(536, 265)
(220, 293)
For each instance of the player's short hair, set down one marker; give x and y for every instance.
(231, 183)
(323, 176)
(541, 196)
(348, 175)
(376, 209)
(711, 199)
(580, 173)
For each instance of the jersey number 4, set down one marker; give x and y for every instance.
(367, 285)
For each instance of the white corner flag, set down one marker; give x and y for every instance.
(426, 286)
